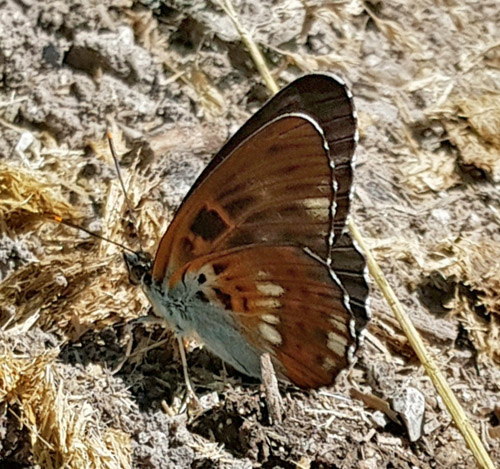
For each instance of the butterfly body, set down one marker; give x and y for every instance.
(256, 259)
(185, 308)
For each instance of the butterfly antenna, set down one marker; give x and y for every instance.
(58, 219)
(119, 174)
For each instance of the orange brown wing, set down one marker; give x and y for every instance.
(284, 301)
(275, 188)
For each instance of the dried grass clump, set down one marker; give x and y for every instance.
(25, 192)
(476, 132)
(400, 38)
(73, 286)
(475, 267)
(423, 171)
(479, 264)
(62, 427)
(473, 127)
(68, 294)
(148, 35)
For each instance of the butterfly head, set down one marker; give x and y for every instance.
(139, 265)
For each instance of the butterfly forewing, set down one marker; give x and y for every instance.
(326, 99)
(286, 303)
(276, 188)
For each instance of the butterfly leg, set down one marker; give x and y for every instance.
(128, 333)
(191, 397)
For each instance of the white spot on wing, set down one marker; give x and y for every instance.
(339, 325)
(270, 289)
(316, 202)
(271, 318)
(317, 206)
(329, 363)
(269, 333)
(336, 343)
(268, 303)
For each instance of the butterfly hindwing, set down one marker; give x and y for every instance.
(349, 266)
(282, 301)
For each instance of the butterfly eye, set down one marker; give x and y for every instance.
(136, 274)
(139, 268)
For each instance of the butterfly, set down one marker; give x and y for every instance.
(257, 258)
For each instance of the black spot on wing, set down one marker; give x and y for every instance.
(224, 298)
(201, 296)
(202, 279)
(219, 267)
(208, 224)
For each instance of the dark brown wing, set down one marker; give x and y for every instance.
(284, 302)
(349, 265)
(275, 188)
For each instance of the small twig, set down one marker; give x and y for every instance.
(471, 437)
(12, 101)
(191, 399)
(270, 382)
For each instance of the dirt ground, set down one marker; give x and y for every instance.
(83, 386)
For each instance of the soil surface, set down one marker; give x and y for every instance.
(82, 385)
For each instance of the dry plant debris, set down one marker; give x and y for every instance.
(23, 193)
(470, 284)
(475, 131)
(64, 290)
(62, 428)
